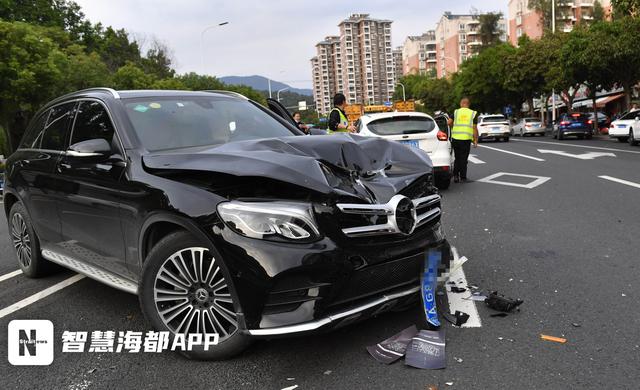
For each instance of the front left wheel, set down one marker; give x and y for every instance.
(185, 289)
(26, 243)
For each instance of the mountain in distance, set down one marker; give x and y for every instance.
(261, 83)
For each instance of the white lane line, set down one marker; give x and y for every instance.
(621, 181)
(38, 296)
(537, 180)
(583, 156)
(455, 299)
(10, 275)
(475, 160)
(514, 153)
(579, 146)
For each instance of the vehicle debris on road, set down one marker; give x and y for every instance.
(501, 303)
(394, 347)
(560, 340)
(427, 350)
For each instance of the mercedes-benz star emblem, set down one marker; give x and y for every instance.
(406, 216)
(202, 295)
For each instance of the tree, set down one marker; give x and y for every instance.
(30, 74)
(169, 84)
(83, 70)
(527, 70)
(115, 48)
(198, 82)
(63, 14)
(489, 30)
(623, 8)
(543, 7)
(130, 76)
(158, 61)
(598, 12)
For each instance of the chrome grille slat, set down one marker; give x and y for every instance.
(422, 216)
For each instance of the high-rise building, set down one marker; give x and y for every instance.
(397, 63)
(358, 63)
(458, 38)
(419, 54)
(526, 21)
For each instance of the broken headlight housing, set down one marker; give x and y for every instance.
(275, 221)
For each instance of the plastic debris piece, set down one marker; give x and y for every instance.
(458, 318)
(553, 338)
(290, 387)
(291, 379)
(457, 359)
(427, 350)
(455, 289)
(575, 325)
(394, 347)
(328, 372)
(501, 303)
(624, 295)
(449, 383)
(501, 315)
(91, 371)
(432, 387)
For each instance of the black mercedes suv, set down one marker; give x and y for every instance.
(220, 214)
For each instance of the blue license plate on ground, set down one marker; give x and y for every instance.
(413, 143)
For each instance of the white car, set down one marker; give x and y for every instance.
(528, 126)
(627, 128)
(493, 127)
(417, 130)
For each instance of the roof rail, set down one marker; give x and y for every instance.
(112, 91)
(230, 93)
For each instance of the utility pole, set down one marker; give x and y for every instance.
(553, 91)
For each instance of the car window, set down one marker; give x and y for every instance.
(529, 120)
(33, 135)
(493, 119)
(631, 115)
(180, 122)
(92, 122)
(579, 117)
(55, 131)
(402, 125)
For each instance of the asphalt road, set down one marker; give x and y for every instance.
(568, 247)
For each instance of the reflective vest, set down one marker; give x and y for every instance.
(343, 121)
(463, 124)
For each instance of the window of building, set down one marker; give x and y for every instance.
(462, 26)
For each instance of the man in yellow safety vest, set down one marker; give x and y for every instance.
(464, 131)
(338, 122)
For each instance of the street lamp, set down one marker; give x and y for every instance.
(281, 90)
(404, 97)
(202, 39)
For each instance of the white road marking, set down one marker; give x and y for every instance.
(621, 181)
(456, 301)
(580, 146)
(538, 180)
(475, 160)
(10, 275)
(583, 156)
(38, 296)
(514, 153)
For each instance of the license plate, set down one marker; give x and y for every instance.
(496, 129)
(411, 142)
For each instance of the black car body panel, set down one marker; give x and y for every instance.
(110, 213)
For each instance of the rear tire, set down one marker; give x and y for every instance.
(506, 139)
(632, 141)
(442, 181)
(26, 244)
(170, 275)
(560, 136)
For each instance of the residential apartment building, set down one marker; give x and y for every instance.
(359, 63)
(524, 20)
(397, 63)
(458, 38)
(419, 54)
(327, 72)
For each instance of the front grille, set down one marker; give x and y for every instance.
(392, 217)
(381, 277)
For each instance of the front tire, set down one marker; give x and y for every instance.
(631, 139)
(185, 289)
(26, 243)
(506, 139)
(560, 136)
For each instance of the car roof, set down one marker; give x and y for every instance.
(383, 115)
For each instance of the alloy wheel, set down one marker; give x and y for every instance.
(192, 295)
(21, 239)
(631, 139)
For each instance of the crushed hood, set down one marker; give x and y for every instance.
(365, 167)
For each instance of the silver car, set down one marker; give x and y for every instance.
(528, 126)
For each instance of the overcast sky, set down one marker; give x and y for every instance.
(273, 38)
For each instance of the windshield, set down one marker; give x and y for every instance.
(493, 119)
(181, 122)
(402, 125)
(531, 120)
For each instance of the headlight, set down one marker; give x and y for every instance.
(275, 221)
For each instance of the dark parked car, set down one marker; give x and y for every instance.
(221, 215)
(576, 124)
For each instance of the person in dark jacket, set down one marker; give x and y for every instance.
(298, 119)
(338, 122)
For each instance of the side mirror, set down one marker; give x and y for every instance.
(316, 131)
(93, 149)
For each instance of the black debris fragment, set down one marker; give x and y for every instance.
(458, 318)
(456, 289)
(501, 303)
(499, 315)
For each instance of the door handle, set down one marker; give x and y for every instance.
(63, 167)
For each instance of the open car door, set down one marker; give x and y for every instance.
(442, 120)
(281, 111)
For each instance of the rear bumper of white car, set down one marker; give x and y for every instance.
(615, 132)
